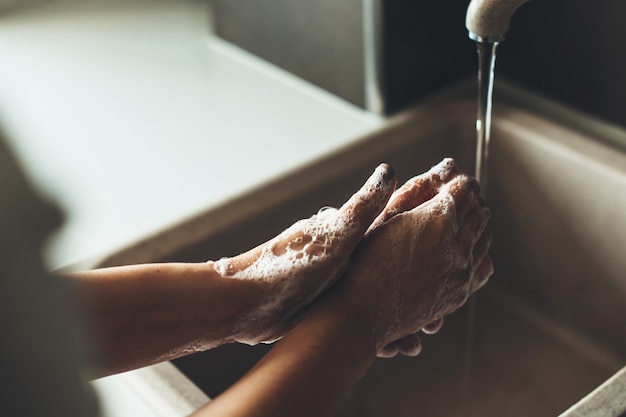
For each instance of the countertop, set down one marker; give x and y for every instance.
(132, 115)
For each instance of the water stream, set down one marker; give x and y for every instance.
(486, 68)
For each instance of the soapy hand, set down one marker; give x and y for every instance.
(296, 266)
(422, 258)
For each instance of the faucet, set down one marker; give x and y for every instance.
(488, 20)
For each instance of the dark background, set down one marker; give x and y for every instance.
(573, 51)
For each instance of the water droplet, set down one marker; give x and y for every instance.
(326, 210)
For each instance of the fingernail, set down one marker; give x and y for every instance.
(444, 168)
(389, 173)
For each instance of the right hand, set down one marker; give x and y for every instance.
(422, 258)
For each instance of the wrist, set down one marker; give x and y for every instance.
(364, 299)
(224, 302)
(338, 334)
(350, 309)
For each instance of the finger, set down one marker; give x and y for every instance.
(410, 345)
(359, 211)
(341, 228)
(367, 203)
(445, 170)
(388, 351)
(434, 327)
(464, 190)
(418, 190)
(478, 218)
(472, 229)
(413, 193)
(482, 274)
(482, 247)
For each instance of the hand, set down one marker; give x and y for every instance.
(296, 266)
(422, 258)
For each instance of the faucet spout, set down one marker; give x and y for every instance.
(488, 20)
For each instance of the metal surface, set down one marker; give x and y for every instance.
(484, 39)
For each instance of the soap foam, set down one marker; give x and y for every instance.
(405, 242)
(306, 245)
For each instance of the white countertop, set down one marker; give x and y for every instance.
(133, 116)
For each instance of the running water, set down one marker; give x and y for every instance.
(486, 67)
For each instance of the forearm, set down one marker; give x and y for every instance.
(309, 371)
(139, 315)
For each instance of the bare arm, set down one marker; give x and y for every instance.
(310, 370)
(144, 314)
(420, 261)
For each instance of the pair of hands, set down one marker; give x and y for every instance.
(407, 258)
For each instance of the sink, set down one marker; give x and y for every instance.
(549, 327)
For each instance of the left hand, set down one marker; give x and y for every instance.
(296, 266)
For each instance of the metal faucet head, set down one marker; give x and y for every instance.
(488, 20)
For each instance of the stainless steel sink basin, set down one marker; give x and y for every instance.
(548, 329)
